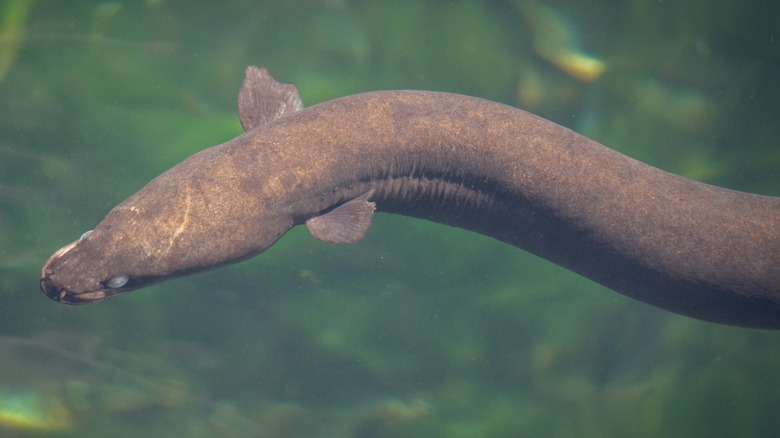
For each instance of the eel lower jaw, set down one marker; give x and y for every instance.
(68, 297)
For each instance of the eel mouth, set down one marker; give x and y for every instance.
(63, 295)
(68, 297)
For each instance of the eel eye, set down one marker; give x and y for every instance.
(117, 282)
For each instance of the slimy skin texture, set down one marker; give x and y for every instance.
(678, 244)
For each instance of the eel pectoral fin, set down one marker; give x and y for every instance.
(346, 223)
(262, 99)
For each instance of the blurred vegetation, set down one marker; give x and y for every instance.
(419, 330)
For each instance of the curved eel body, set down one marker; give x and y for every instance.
(688, 247)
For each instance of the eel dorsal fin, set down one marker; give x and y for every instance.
(262, 98)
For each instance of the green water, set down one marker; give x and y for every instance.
(419, 330)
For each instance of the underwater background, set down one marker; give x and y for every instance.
(419, 330)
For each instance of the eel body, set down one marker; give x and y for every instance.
(685, 246)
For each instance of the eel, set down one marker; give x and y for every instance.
(688, 247)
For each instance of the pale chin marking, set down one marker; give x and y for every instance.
(86, 297)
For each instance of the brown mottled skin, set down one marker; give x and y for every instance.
(692, 248)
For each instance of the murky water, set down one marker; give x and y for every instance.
(419, 330)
